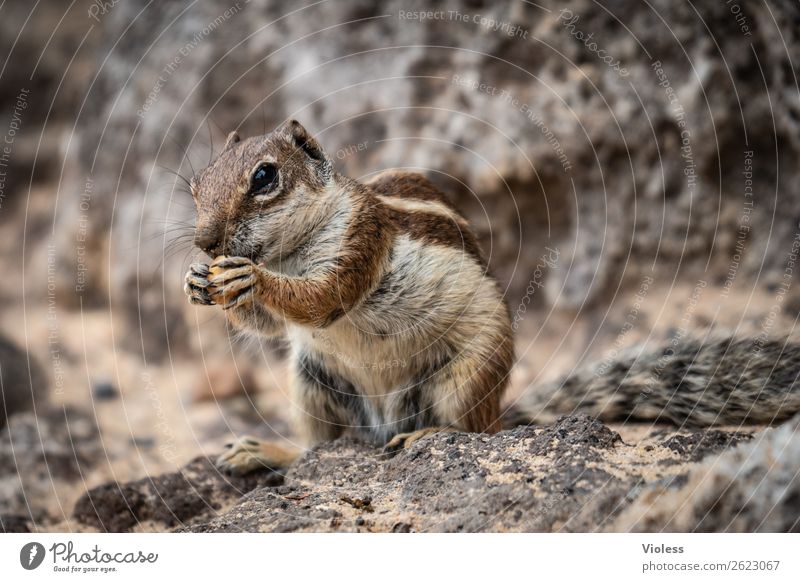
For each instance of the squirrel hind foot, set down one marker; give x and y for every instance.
(404, 440)
(248, 454)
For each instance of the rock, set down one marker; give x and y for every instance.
(700, 444)
(22, 382)
(754, 487)
(103, 391)
(143, 442)
(197, 491)
(43, 458)
(634, 197)
(14, 524)
(575, 475)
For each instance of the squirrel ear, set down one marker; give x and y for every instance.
(233, 138)
(300, 137)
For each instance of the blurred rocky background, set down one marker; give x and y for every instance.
(631, 169)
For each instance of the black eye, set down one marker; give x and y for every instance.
(264, 180)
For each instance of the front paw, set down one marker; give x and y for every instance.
(196, 285)
(234, 281)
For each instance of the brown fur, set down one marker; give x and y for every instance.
(436, 230)
(352, 272)
(322, 300)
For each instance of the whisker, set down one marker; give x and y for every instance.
(211, 140)
(183, 178)
(185, 154)
(174, 186)
(187, 236)
(172, 250)
(170, 222)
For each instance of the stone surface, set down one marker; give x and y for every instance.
(87, 166)
(43, 457)
(51, 457)
(754, 487)
(22, 381)
(576, 475)
(197, 491)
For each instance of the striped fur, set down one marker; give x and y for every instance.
(381, 288)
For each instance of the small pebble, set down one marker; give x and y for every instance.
(143, 442)
(104, 391)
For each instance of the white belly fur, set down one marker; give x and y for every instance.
(436, 296)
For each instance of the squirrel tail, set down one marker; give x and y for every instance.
(723, 381)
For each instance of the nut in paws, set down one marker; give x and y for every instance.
(233, 280)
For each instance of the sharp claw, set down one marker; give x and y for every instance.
(198, 281)
(231, 275)
(393, 447)
(198, 296)
(196, 285)
(199, 269)
(239, 299)
(224, 279)
(226, 262)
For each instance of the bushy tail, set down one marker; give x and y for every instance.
(723, 381)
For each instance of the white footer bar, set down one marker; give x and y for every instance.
(398, 557)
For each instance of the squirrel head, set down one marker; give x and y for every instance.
(262, 195)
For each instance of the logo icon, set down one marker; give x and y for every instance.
(31, 555)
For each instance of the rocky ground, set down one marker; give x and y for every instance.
(657, 239)
(575, 475)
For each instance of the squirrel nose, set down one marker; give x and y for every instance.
(207, 241)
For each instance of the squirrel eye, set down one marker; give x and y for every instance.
(264, 180)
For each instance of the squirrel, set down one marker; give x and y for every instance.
(396, 328)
